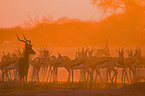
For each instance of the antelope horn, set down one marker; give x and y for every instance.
(21, 40)
(50, 53)
(127, 51)
(26, 39)
(117, 51)
(78, 50)
(8, 54)
(16, 50)
(83, 49)
(131, 50)
(93, 49)
(38, 50)
(59, 54)
(135, 50)
(122, 49)
(3, 53)
(88, 49)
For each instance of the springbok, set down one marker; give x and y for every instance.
(104, 62)
(103, 52)
(140, 62)
(62, 61)
(100, 53)
(70, 65)
(107, 62)
(128, 62)
(52, 73)
(7, 64)
(41, 61)
(90, 55)
(23, 64)
(3, 60)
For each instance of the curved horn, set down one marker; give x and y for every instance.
(26, 39)
(21, 40)
(93, 49)
(127, 51)
(8, 54)
(50, 53)
(135, 50)
(118, 51)
(3, 53)
(122, 49)
(38, 50)
(58, 53)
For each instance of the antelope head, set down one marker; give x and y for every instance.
(3, 57)
(48, 52)
(59, 59)
(28, 45)
(91, 52)
(121, 53)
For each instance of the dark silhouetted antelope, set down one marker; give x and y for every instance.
(23, 63)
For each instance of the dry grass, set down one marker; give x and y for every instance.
(68, 89)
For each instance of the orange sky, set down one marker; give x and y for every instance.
(15, 12)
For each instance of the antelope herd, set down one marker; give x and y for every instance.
(88, 61)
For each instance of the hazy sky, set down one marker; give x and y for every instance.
(15, 12)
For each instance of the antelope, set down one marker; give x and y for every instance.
(128, 62)
(41, 61)
(102, 52)
(140, 61)
(62, 61)
(23, 64)
(100, 55)
(104, 62)
(82, 72)
(70, 65)
(52, 62)
(8, 63)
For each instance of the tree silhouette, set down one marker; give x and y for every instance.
(117, 6)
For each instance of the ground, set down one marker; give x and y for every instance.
(76, 89)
